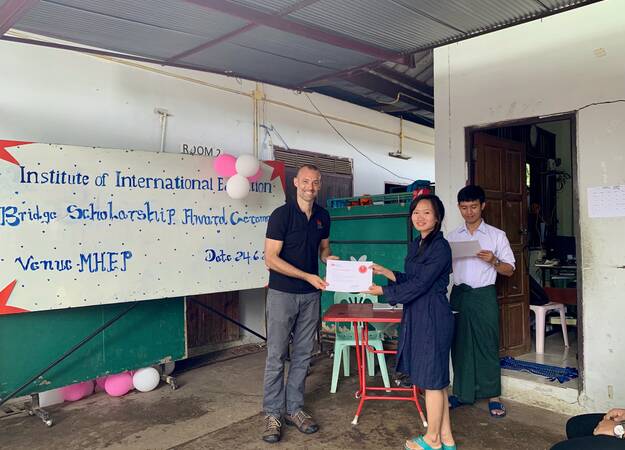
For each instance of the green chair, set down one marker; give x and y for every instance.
(345, 340)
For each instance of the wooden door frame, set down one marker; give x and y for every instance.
(470, 164)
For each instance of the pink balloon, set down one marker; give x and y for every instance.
(225, 165)
(99, 383)
(75, 392)
(257, 176)
(118, 384)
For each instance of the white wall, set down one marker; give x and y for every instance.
(64, 97)
(558, 64)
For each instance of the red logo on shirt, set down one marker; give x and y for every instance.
(319, 224)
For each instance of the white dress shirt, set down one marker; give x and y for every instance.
(473, 271)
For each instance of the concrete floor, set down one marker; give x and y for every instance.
(218, 407)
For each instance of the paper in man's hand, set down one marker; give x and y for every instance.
(464, 249)
(348, 276)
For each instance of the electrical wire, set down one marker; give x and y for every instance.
(274, 129)
(350, 144)
(601, 103)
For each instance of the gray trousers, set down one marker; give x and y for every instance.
(286, 313)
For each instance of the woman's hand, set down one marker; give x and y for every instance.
(381, 270)
(374, 289)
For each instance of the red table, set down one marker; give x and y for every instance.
(361, 314)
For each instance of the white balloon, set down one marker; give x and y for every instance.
(238, 186)
(168, 367)
(146, 379)
(247, 165)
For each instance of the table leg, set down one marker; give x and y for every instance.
(358, 358)
(415, 393)
(362, 372)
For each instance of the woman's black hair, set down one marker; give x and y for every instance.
(439, 212)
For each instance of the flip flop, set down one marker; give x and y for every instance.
(496, 405)
(424, 445)
(449, 447)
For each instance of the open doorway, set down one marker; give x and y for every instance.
(528, 171)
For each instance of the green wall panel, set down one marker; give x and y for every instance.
(382, 232)
(151, 332)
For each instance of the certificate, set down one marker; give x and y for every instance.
(464, 249)
(348, 276)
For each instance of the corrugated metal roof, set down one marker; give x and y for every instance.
(381, 23)
(256, 64)
(267, 5)
(119, 30)
(166, 14)
(333, 45)
(299, 48)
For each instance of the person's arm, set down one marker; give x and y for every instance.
(325, 252)
(274, 262)
(416, 286)
(501, 267)
(502, 259)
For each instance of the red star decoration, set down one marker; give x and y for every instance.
(278, 171)
(4, 298)
(5, 155)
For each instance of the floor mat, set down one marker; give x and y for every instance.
(553, 373)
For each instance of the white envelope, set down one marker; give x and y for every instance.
(348, 276)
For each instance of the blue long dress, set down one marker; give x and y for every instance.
(427, 325)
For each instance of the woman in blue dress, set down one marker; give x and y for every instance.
(427, 324)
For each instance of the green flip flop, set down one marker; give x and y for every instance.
(424, 445)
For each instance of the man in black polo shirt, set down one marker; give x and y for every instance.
(297, 237)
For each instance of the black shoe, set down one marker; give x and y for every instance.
(273, 429)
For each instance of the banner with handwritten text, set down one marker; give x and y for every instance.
(84, 226)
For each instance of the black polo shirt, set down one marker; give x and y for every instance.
(300, 243)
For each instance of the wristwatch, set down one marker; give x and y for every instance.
(497, 262)
(619, 431)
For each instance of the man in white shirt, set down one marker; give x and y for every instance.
(475, 351)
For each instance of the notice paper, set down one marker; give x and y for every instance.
(606, 201)
(464, 249)
(348, 276)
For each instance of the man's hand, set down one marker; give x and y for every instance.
(615, 414)
(316, 281)
(487, 256)
(331, 257)
(374, 289)
(605, 427)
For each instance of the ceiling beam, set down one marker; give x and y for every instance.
(413, 117)
(406, 80)
(300, 29)
(12, 11)
(408, 112)
(250, 26)
(324, 80)
(391, 90)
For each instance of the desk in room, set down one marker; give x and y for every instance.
(557, 268)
